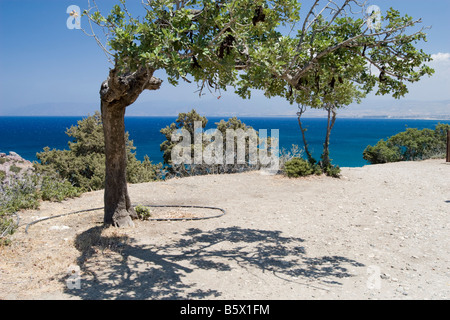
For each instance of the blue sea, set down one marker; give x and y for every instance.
(349, 137)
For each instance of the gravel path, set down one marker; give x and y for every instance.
(378, 232)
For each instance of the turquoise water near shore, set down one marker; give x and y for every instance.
(29, 135)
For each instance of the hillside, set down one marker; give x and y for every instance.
(379, 232)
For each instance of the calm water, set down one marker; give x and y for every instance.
(349, 138)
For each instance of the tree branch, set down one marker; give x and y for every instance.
(126, 88)
(351, 42)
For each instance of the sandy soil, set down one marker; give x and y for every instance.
(379, 232)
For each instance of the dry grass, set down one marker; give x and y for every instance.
(102, 240)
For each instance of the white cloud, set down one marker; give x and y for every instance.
(441, 57)
(436, 87)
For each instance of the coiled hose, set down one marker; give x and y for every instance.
(223, 212)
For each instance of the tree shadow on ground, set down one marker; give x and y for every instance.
(127, 270)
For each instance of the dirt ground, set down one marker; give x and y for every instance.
(378, 232)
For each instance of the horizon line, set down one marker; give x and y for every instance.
(362, 117)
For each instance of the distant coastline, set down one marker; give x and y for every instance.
(366, 117)
(231, 106)
(28, 135)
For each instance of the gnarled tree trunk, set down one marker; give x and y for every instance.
(118, 210)
(116, 94)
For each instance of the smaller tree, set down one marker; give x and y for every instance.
(337, 57)
(84, 163)
(184, 121)
(200, 166)
(409, 145)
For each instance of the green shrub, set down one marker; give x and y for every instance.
(26, 192)
(411, 144)
(143, 212)
(7, 228)
(15, 169)
(298, 167)
(53, 189)
(2, 175)
(19, 194)
(83, 165)
(381, 153)
(332, 171)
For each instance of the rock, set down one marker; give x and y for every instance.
(385, 276)
(14, 166)
(402, 291)
(59, 228)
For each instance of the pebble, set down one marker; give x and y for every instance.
(59, 228)
(402, 291)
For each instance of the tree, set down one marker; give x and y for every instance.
(184, 121)
(208, 40)
(409, 145)
(236, 43)
(189, 168)
(337, 58)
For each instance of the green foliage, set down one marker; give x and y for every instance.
(15, 169)
(19, 194)
(53, 189)
(203, 39)
(412, 144)
(186, 121)
(83, 165)
(143, 212)
(381, 153)
(26, 192)
(298, 167)
(332, 171)
(2, 175)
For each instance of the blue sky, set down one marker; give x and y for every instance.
(45, 68)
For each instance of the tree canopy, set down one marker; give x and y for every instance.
(329, 54)
(271, 46)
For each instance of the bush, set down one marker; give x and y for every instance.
(26, 192)
(298, 167)
(83, 165)
(381, 153)
(412, 144)
(53, 189)
(332, 171)
(19, 194)
(143, 212)
(15, 169)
